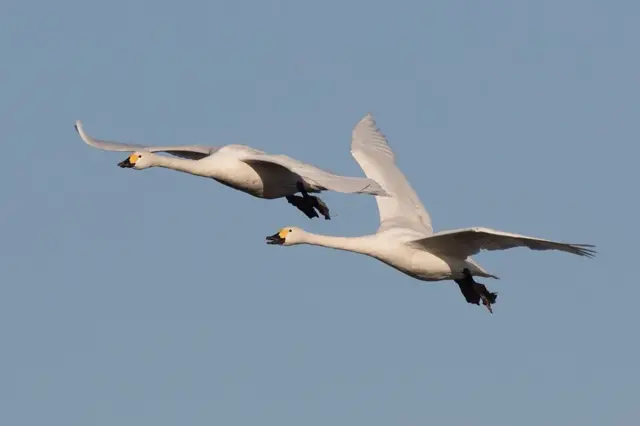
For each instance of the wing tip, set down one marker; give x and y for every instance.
(367, 119)
(372, 187)
(85, 137)
(376, 189)
(366, 125)
(586, 250)
(80, 130)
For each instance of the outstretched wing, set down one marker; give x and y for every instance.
(462, 243)
(316, 178)
(192, 152)
(403, 207)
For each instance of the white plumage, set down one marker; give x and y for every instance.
(246, 169)
(405, 238)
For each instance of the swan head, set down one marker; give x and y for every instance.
(287, 236)
(137, 160)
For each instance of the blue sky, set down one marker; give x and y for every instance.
(137, 298)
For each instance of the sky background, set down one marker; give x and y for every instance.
(150, 298)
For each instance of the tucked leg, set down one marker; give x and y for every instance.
(474, 292)
(319, 205)
(303, 205)
(468, 291)
(308, 204)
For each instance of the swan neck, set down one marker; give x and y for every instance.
(193, 167)
(353, 244)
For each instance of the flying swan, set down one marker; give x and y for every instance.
(245, 169)
(405, 238)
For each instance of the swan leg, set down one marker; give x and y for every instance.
(319, 205)
(308, 204)
(475, 292)
(303, 205)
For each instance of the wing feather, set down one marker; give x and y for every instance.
(402, 208)
(462, 243)
(192, 152)
(319, 179)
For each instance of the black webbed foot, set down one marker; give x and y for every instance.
(319, 205)
(474, 292)
(308, 204)
(303, 205)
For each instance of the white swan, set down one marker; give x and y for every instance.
(405, 238)
(245, 169)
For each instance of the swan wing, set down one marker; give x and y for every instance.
(192, 152)
(316, 178)
(402, 208)
(462, 243)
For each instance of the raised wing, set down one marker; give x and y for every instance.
(192, 152)
(462, 243)
(317, 178)
(402, 208)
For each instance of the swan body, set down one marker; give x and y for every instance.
(405, 239)
(245, 169)
(229, 168)
(389, 247)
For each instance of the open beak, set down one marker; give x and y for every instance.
(126, 164)
(275, 239)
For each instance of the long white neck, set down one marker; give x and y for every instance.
(362, 245)
(194, 167)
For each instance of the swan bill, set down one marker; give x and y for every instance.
(275, 239)
(128, 162)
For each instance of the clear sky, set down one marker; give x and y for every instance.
(150, 298)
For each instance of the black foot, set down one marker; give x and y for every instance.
(474, 292)
(303, 205)
(319, 205)
(308, 204)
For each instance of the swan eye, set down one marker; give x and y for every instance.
(290, 230)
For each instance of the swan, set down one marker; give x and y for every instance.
(405, 239)
(246, 169)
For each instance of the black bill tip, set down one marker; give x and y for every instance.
(275, 239)
(125, 164)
